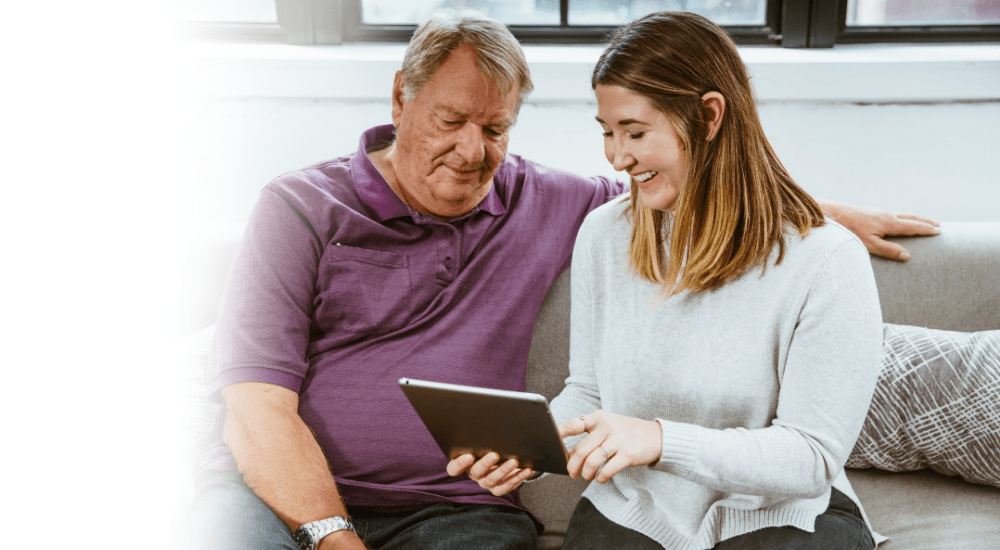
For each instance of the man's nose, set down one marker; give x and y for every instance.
(471, 145)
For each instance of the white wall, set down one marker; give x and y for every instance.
(910, 129)
(937, 160)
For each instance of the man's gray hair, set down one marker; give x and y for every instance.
(498, 54)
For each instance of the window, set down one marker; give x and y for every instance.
(919, 20)
(560, 21)
(579, 12)
(215, 11)
(242, 20)
(898, 13)
(788, 23)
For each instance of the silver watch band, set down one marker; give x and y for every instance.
(309, 535)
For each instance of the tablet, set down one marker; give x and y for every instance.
(467, 419)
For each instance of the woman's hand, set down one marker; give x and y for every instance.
(614, 440)
(497, 479)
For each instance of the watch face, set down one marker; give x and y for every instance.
(303, 539)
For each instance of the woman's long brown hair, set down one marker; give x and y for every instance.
(737, 198)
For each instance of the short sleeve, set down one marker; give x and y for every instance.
(263, 324)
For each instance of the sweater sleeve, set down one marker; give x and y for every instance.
(581, 396)
(826, 385)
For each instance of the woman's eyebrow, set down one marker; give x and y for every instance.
(623, 122)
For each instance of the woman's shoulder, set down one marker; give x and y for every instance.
(825, 243)
(829, 237)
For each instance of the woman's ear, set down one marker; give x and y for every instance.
(715, 107)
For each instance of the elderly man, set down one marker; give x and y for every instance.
(424, 254)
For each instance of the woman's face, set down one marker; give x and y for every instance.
(639, 139)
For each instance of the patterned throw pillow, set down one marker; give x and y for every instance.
(936, 405)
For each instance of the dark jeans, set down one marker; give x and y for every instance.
(839, 528)
(228, 515)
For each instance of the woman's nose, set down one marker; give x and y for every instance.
(621, 158)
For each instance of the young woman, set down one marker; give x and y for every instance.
(726, 339)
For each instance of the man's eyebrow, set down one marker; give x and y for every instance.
(502, 124)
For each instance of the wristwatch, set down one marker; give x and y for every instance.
(309, 535)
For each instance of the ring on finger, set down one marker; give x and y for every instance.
(605, 452)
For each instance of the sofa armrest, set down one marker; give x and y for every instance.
(952, 282)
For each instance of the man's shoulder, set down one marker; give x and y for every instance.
(516, 165)
(318, 186)
(328, 176)
(608, 220)
(613, 212)
(556, 191)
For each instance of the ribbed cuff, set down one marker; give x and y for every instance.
(680, 445)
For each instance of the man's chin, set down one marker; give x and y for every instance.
(454, 209)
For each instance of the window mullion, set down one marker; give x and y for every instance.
(313, 22)
(825, 20)
(795, 19)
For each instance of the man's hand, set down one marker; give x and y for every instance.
(613, 442)
(497, 479)
(872, 224)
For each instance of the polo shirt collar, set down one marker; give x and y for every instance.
(375, 192)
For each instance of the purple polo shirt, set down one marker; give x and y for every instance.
(339, 289)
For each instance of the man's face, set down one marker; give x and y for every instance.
(451, 137)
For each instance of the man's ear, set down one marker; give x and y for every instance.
(715, 107)
(397, 99)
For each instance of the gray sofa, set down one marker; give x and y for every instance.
(951, 283)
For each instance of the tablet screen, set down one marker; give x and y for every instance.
(467, 419)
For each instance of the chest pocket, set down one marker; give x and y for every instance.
(362, 291)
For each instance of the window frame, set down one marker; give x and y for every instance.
(788, 24)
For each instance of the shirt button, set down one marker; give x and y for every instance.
(448, 263)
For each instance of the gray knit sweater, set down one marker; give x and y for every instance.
(761, 387)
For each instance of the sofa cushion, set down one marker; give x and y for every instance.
(928, 511)
(935, 405)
